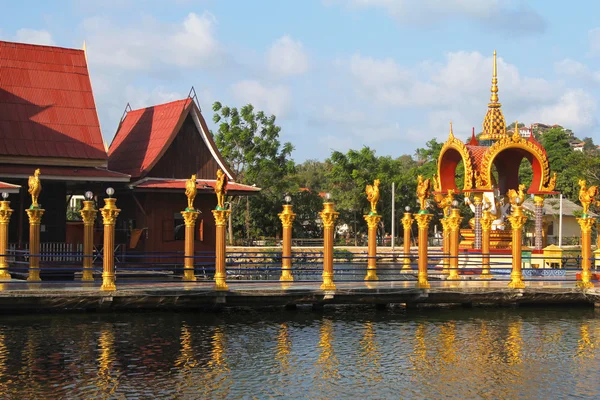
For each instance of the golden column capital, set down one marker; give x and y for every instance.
(287, 216)
(407, 220)
(486, 220)
(372, 223)
(35, 215)
(110, 212)
(5, 212)
(538, 200)
(190, 217)
(586, 224)
(454, 219)
(221, 217)
(477, 197)
(517, 218)
(423, 220)
(88, 212)
(328, 215)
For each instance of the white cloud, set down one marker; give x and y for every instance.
(287, 57)
(576, 70)
(33, 36)
(498, 15)
(575, 109)
(273, 100)
(149, 43)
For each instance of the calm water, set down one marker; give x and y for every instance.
(337, 353)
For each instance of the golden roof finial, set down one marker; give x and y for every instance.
(494, 97)
(451, 134)
(516, 134)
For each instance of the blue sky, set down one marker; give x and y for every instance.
(338, 74)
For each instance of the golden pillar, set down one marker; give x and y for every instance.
(189, 218)
(454, 221)
(445, 245)
(407, 223)
(517, 220)
(287, 220)
(5, 213)
(372, 223)
(586, 224)
(486, 227)
(109, 217)
(35, 219)
(328, 216)
(423, 219)
(221, 217)
(88, 214)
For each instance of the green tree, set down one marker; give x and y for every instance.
(249, 142)
(558, 149)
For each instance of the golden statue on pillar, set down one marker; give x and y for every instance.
(35, 187)
(520, 194)
(373, 196)
(221, 189)
(190, 192)
(423, 188)
(586, 195)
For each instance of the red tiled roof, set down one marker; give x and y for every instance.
(202, 184)
(47, 108)
(9, 187)
(63, 173)
(477, 153)
(144, 135)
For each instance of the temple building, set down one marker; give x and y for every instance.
(48, 120)
(491, 169)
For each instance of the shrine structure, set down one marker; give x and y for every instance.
(491, 175)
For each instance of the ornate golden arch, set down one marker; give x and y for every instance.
(517, 142)
(461, 148)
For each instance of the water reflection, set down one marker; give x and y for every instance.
(490, 353)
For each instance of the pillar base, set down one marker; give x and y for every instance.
(516, 283)
(453, 276)
(423, 284)
(34, 276)
(108, 282)
(188, 275)
(328, 282)
(585, 285)
(286, 276)
(220, 283)
(4, 275)
(87, 276)
(486, 276)
(371, 275)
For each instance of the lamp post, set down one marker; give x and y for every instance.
(109, 217)
(517, 220)
(454, 221)
(287, 220)
(328, 216)
(486, 226)
(88, 214)
(5, 213)
(407, 221)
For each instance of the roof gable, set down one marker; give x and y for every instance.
(47, 107)
(145, 135)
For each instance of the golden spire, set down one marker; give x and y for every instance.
(494, 125)
(451, 134)
(494, 97)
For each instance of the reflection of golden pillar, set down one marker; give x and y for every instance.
(109, 217)
(221, 217)
(445, 245)
(35, 218)
(486, 226)
(517, 220)
(328, 216)
(406, 222)
(5, 213)
(586, 250)
(189, 218)
(454, 221)
(372, 223)
(287, 219)
(423, 219)
(88, 214)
